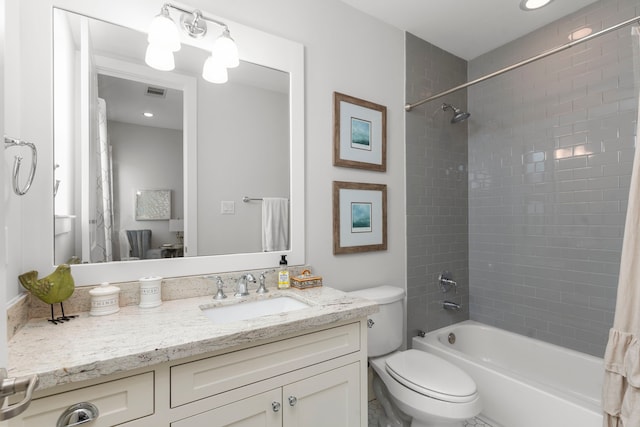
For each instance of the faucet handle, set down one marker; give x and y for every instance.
(220, 293)
(262, 288)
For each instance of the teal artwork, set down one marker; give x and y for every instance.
(360, 134)
(360, 217)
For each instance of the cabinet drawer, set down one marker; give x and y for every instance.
(118, 401)
(208, 377)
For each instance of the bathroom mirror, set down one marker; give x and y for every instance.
(220, 145)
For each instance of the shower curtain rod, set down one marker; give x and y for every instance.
(409, 107)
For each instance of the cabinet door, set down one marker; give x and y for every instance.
(254, 411)
(329, 399)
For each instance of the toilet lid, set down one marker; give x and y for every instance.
(432, 376)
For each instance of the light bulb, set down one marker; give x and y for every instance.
(226, 49)
(159, 58)
(163, 32)
(214, 71)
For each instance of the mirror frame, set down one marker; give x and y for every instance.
(257, 47)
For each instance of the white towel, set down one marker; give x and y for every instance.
(275, 224)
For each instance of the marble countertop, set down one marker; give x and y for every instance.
(89, 347)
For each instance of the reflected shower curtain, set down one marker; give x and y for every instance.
(102, 247)
(621, 391)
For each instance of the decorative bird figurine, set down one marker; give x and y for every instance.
(52, 289)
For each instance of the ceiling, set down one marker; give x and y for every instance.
(466, 28)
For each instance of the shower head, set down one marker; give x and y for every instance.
(458, 114)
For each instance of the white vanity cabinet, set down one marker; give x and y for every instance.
(312, 378)
(328, 399)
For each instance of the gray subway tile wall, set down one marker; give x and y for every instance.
(525, 202)
(550, 154)
(437, 196)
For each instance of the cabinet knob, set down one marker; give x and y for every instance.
(275, 406)
(80, 413)
(293, 400)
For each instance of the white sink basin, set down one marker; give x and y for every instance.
(252, 309)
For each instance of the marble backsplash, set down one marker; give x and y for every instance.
(27, 307)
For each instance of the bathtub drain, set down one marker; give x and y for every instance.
(452, 338)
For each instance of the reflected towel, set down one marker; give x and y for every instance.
(275, 224)
(139, 243)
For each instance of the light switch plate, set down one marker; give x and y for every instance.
(227, 207)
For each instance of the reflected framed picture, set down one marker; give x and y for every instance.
(359, 134)
(153, 204)
(359, 217)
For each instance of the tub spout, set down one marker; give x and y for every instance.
(450, 305)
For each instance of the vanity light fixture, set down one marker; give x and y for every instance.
(164, 40)
(528, 5)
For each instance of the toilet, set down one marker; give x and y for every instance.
(416, 387)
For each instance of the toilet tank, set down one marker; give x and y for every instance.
(385, 333)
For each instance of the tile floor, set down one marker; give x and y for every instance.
(375, 411)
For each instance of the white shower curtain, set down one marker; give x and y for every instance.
(104, 199)
(621, 391)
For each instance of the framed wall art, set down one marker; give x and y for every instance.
(360, 133)
(359, 217)
(153, 204)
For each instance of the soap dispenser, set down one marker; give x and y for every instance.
(283, 273)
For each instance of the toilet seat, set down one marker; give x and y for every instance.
(431, 376)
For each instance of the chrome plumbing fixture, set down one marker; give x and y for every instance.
(451, 338)
(450, 305)
(242, 290)
(446, 282)
(262, 288)
(220, 293)
(458, 114)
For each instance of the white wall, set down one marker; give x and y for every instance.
(145, 158)
(345, 51)
(259, 143)
(349, 52)
(64, 133)
(3, 283)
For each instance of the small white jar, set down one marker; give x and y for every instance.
(150, 292)
(104, 300)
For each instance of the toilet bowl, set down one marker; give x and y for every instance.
(418, 386)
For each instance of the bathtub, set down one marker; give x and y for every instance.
(523, 382)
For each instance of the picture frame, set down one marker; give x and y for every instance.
(359, 134)
(359, 217)
(153, 205)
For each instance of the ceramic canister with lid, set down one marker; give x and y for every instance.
(104, 300)
(150, 292)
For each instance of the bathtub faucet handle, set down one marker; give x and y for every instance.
(446, 282)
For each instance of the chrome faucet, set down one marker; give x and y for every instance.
(242, 290)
